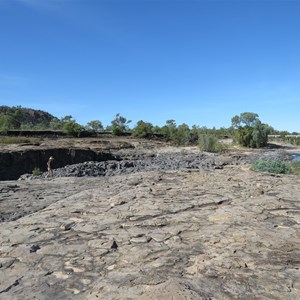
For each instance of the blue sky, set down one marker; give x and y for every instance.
(195, 61)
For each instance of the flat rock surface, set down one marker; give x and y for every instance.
(187, 234)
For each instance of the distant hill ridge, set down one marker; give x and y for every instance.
(26, 116)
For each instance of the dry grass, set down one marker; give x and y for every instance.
(18, 140)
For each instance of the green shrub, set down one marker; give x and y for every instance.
(275, 166)
(119, 125)
(181, 135)
(36, 172)
(143, 130)
(295, 166)
(210, 143)
(73, 128)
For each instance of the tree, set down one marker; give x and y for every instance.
(243, 136)
(194, 134)
(56, 124)
(7, 122)
(119, 125)
(143, 130)
(95, 125)
(67, 118)
(182, 135)
(235, 121)
(260, 135)
(246, 118)
(253, 134)
(169, 129)
(72, 128)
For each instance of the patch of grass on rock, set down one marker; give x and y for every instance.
(274, 166)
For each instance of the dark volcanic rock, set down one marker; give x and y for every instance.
(164, 161)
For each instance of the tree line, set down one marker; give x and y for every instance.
(246, 129)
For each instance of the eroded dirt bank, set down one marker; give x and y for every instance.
(18, 159)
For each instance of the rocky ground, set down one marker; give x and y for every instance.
(209, 228)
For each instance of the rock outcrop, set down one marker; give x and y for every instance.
(162, 161)
(212, 233)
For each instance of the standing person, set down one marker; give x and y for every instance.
(49, 166)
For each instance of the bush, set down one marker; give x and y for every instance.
(182, 135)
(8, 122)
(295, 166)
(119, 125)
(36, 172)
(143, 130)
(73, 128)
(275, 166)
(210, 143)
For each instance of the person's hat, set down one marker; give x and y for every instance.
(51, 157)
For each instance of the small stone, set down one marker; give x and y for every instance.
(48, 273)
(34, 248)
(67, 226)
(114, 246)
